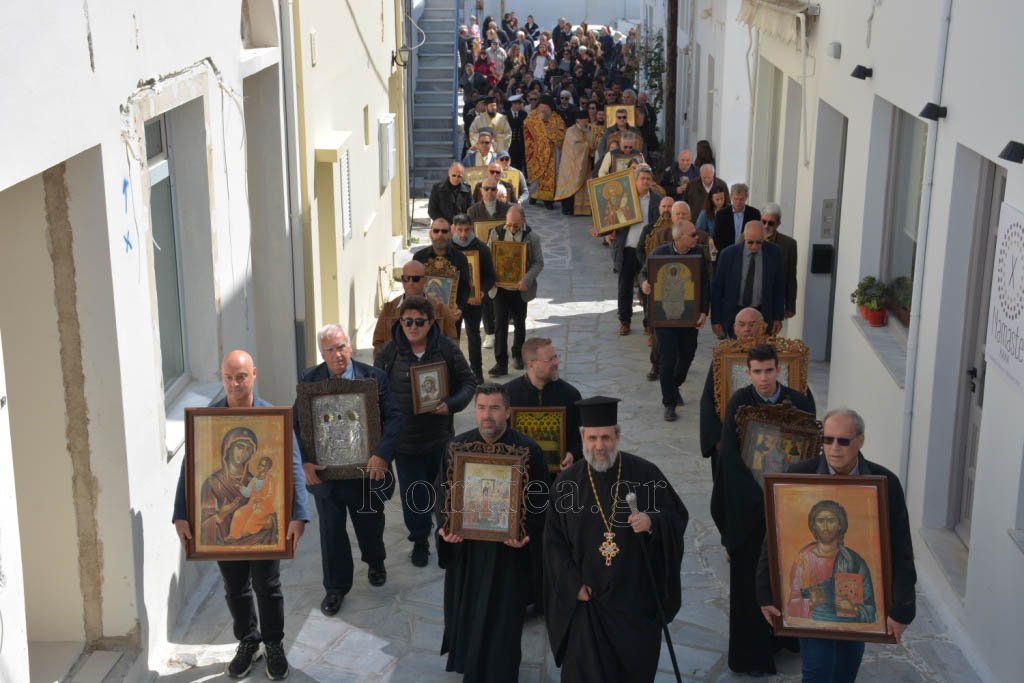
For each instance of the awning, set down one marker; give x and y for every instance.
(774, 18)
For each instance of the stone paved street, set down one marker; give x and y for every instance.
(393, 633)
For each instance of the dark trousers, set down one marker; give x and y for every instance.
(830, 661)
(750, 638)
(627, 281)
(508, 303)
(335, 501)
(417, 481)
(241, 579)
(677, 346)
(471, 315)
(488, 315)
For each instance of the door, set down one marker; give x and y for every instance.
(971, 390)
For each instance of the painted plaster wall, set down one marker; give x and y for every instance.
(983, 116)
(354, 42)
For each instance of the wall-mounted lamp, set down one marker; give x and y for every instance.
(861, 72)
(402, 57)
(933, 112)
(1014, 151)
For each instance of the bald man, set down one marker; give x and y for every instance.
(749, 273)
(413, 283)
(451, 195)
(224, 492)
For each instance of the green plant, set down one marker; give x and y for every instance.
(870, 293)
(902, 292)
(651, 53)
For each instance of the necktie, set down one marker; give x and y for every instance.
(748, 284)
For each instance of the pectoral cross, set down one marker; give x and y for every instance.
(609, 549)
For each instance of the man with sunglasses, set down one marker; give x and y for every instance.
(494, 171)
(748, 274)
(451, 195)
(618, 128)
(771, 218)
(482, 152)
(417, 341)
(737, 508)
(441, 248)
(842, 439)
(414, 280)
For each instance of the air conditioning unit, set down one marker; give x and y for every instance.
(388, 150)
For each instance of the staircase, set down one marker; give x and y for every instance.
(433, 117)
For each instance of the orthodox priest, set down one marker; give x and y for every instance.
(487, 583)
(575, 166)
(737, 507)
(602, 611)
(494, 120)
(544, 133)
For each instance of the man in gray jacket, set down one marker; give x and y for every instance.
(512, 301)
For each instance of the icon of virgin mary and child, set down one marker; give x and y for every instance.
(237, 503)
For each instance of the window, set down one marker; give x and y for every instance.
(166, 254)
(903, 199)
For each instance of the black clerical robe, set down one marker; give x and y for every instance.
(737, 507)
(487, 585)
(615, 637)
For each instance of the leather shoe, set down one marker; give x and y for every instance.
(653, 375)
(331, 604)
(478, 376)
(623, 329)
(498, 371)
(420, 553)
(518, 363)
(377, 574)
(670, 413)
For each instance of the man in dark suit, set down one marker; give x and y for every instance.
(771, 218)
(449, 196)
(748, 274)
(625, 242)
(361, 499)
(729, 220)
(843, 437)
(697, 191)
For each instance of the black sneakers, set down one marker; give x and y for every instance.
(248, 652)
(420, 553)
(277, 663)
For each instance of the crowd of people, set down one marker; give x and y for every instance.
(604, 568)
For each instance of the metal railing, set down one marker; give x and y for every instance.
(456, 139)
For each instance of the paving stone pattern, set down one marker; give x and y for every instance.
(393, 633)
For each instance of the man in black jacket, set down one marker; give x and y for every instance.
(441, 247)
(771, 218)
(827, 660)
(737, 508)
(678, 345)
(465, 240)
(730, 220)
(450, 196)
(363, 498)
(415, 341)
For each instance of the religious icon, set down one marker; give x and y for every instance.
(483, 229)
(614, 201)
(621, 162)
(474, 175)
(610, 110)
(546, 426)
(509, 263)
(772, 437)
(485, 491)
(511, 176)
(729, 360)
(675, 290)
(429, 386)
(829, 555)
(238, 493)
(440, 289)
(339, 425)
(473, 256)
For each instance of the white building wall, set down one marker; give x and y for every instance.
(983, 117)
(75, 83)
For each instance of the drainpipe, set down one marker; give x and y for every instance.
(291, 146)
(753, 46)
(919, 253)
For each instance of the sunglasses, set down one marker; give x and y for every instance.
(841, 440)
(489, 189)
(622, 117)
(440, 231)
(495, 172)
(418, 322)
(770, 223)
(753, 242)
(412, 278)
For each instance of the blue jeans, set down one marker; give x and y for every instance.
(830, 661)
(418, 483)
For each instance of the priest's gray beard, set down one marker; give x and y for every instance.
(602, 465)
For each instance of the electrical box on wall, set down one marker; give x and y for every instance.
(388, 150)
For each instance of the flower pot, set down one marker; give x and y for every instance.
(873, 318)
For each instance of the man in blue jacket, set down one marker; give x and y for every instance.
(363, 499)
(749, 274)
(238, 373)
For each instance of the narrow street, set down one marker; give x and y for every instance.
(394, 633)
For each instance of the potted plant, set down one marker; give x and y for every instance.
(870, 297)
(900, 295)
